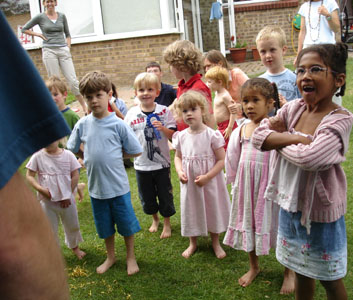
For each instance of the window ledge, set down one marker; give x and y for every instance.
(266, 5)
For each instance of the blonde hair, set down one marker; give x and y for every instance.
(192, 99)
(55, 83)
(218, 73)
(184, 56)
(272, 31)
(94, 82)
(147, 79)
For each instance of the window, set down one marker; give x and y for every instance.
(95, 20)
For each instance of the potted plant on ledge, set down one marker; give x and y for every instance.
(237, 50)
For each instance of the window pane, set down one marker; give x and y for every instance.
(172, 14)
(78, 14)
(132, 15)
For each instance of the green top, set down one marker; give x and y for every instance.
(70, 116)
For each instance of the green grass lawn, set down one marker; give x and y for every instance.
(165, 274)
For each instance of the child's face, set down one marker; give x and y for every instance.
(156, 71)
(176, 72)
(59, 98)
(97, 102)
(147, 94)
(214, 85)
(319, 84)
(208, 65)
(255, 105)
(192, 116)
(271, 54)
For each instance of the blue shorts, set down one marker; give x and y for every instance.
(119, 211)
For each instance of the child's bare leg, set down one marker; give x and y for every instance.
(192, 247)
(288, 284)
(80, 187)
(218, 250)
(155, 223)
(167, 229)
(131, 263)
(109, 244)
(254, 270)
(78, 252)
(304, 287)
(335, 290)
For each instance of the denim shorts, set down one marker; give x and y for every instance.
(114, 211)
(320, 255)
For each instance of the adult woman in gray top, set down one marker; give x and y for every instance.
(56, 48)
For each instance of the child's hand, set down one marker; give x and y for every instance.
(65, 203)
(277, 124)
(282, 100)
(227, 133)
(45, 192)
(201, 180)
(182, 177)
(303, 140)
(158, 125)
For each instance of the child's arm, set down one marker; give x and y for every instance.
(75, 176)
(227, 100)
(128, 155)
(31, 178)
(179, 167)
(202, 180)
(167, 132)
(116, 110)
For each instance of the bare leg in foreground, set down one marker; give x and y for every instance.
(31, 266)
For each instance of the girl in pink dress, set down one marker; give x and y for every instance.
(58, 175)
(199, 162)
(251, 226)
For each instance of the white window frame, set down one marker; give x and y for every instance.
(98, 34)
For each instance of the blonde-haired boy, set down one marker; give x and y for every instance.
(271, 44)
(153, 125)
(217, 79)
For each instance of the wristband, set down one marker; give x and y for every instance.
(329, 18)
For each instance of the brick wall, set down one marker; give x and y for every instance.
(249, 20)
(121, 59)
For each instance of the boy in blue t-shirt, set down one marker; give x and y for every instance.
(271, 44)
(107, 140)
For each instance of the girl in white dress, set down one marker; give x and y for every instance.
(199, 162)
(58, 176)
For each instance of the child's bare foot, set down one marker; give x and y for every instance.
(167, 229)
(78, 252)
(248, 277)
(132, 266)
(189, 251)
(106, 265)
(154, 226)
(218, 250)
(288, 285)
(80, 187)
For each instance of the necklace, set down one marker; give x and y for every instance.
(317, 27)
